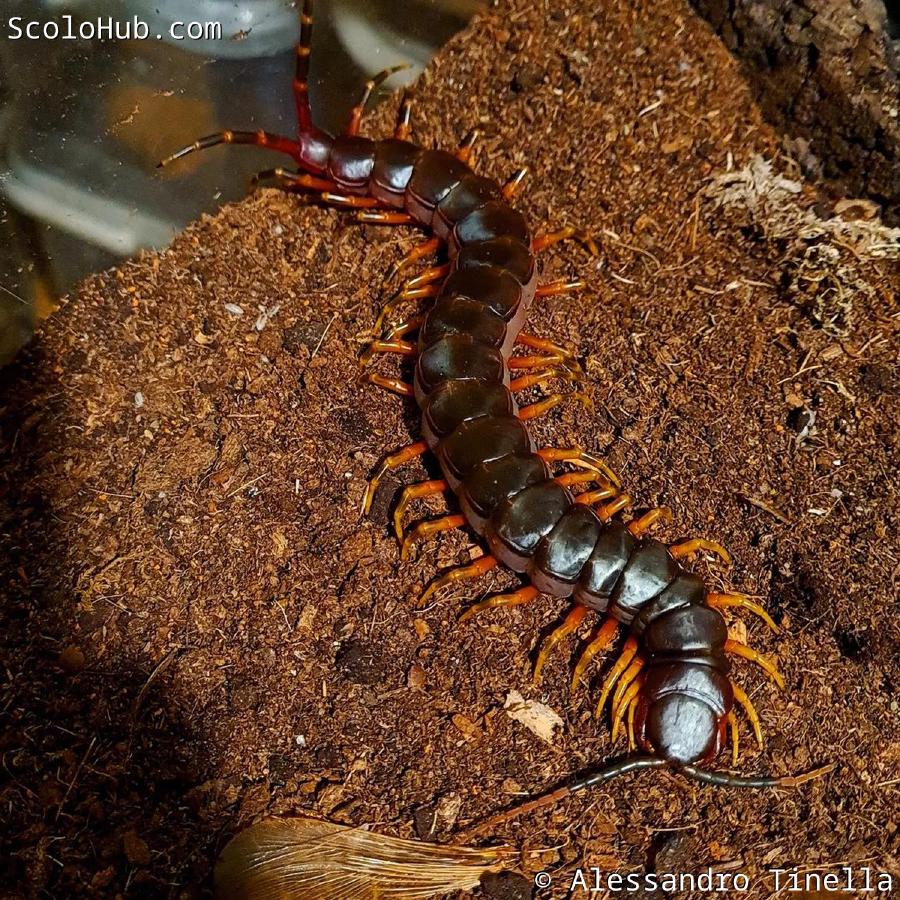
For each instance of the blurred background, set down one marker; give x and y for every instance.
(83, 121)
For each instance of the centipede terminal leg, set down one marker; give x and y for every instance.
(254, 138)
(301, 71)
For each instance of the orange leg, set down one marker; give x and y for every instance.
(391, 342)
(349, 200)
(629, 651)
(735, 737)
(602, 639)
(292, 180)
(534, 362)
(517, 598)
(391, 461)
(400, 297)
(743, 700)
(539, 343)
(387, 309)
(589, 498)
(414, 492)
(510, 189)
(721, 601)
(395, 385)
(421, 250)
(742, 650)
(423, 530)
(356, 113)
(562, 286)
(538, 409)
(570, 624)
(542, 241)
(581, 458)
(584, 477)
(403, 328)
(384, 217)
(464, 152)
(687, 548)
(474, 570)
(404, 348)
(539, 378)
(639, 526)
(632, 744)
(401, 132)
(629, 697)
(429, 276)
(623, 501)
(625, 681)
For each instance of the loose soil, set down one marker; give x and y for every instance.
(199, 628)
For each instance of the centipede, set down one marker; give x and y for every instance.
(670, 689)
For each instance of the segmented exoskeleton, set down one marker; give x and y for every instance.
(670, 685)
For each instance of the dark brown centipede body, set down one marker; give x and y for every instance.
(671, 682)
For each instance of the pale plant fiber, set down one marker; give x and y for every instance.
(307, 859)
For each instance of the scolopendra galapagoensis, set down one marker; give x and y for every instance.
(670, 688)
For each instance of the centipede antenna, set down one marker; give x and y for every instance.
(636, 764)
(622, 767)
(723, 779)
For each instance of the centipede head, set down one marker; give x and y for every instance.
(679, 728)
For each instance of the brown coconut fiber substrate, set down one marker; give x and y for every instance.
(198, 626)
